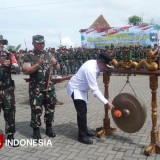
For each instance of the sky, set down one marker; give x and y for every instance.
(59, 21)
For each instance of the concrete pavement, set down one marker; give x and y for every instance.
(120, 146)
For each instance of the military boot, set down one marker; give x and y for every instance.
(36, 134)
(49, 131)
(12, 141)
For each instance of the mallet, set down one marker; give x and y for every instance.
(117, 113)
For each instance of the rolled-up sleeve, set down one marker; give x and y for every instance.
(92, 82)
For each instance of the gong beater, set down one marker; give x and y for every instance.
(134, 112)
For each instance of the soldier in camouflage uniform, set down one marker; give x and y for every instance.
(72, 62)
(7, 87)
(37, 64)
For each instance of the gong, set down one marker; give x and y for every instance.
(134, 112)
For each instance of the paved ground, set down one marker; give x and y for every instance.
(65, 145)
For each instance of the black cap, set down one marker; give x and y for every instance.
(104, 57)
(4, 41)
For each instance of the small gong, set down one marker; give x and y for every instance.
(134, 112)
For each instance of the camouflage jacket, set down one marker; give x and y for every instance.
(39, 79)
(5, 72)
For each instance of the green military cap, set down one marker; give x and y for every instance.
(4, 41)
(38, 38)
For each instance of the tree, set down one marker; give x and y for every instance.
(134, 20)
(14, 49)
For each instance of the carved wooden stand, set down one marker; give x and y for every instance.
(154, 146)
(106, 129)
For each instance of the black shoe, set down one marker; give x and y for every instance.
(49, 131)
(91, 134)
(12, 141)
(85, 140)
(36, 134)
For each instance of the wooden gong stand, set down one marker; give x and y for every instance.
(154, 146)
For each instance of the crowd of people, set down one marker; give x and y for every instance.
(40, 64)
(70, 59)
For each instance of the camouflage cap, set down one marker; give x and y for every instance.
(4, 41)
(38, 38)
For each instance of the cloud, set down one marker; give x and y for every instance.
(66, 18)
(66, 41)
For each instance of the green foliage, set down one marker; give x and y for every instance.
(135, 20)
(13, 49)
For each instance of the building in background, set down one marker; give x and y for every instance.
(100, 34)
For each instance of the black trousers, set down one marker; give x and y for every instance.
(81, 108)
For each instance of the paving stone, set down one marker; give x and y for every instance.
(119, 146)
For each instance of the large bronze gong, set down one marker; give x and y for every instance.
(134, 112)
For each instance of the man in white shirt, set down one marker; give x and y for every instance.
(78, 87)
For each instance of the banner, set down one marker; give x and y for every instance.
(120, 36)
